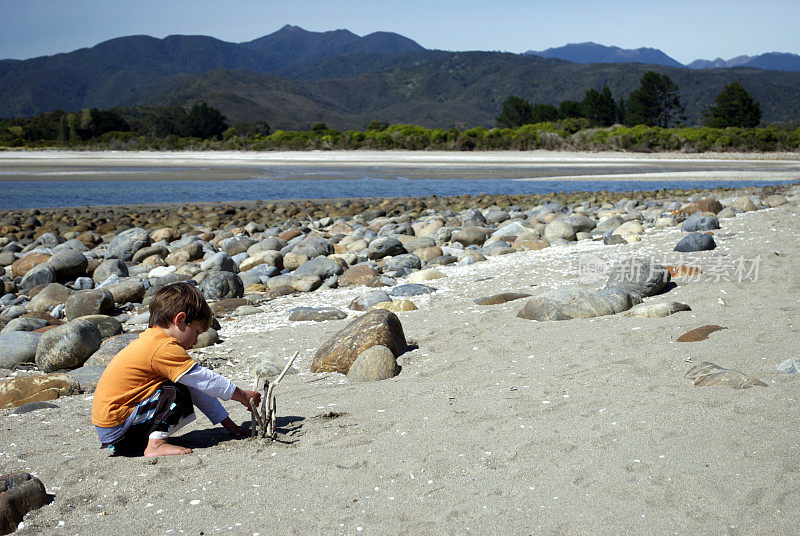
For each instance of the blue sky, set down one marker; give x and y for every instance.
(684, 30)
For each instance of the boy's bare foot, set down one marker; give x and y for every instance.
(160, 447)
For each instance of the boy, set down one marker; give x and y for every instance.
(148, 390)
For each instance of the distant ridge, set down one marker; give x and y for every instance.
(292, 44)
(595, 53)
(719, 63)
(774, 61)
(294, 78)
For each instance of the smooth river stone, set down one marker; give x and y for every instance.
(378, 327)
(657, 310)
(374, 364)
(315, 314)
(699, 334)
(497, 299)
(706, 373)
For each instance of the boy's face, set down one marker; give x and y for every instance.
(186, 333)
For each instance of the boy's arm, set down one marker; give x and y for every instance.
(207, 386)
(208, 382)
(243, 396)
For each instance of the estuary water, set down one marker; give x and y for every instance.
(70, 179)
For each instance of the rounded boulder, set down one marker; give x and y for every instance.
(89, 302)
(67, 346)
(374, 364)
(218, 285)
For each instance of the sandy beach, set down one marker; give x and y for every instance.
(496, 424)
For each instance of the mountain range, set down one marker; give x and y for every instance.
(293, 78)
(594, 53)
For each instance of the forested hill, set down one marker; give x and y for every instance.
(128, 70)
(465, 89)
(294, 78)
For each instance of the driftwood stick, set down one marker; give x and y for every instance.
(254, 428)
(271, 416)
(264, 422)
(285, 369)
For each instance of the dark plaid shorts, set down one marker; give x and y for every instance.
(160, 412)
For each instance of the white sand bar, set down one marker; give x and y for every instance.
(530, 165)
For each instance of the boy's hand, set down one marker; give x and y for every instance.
(243, 396)
(234, 429)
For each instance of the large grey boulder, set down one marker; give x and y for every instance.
(110, 348)
(696, 222)
(219, 285)
(469, 236)
(67, 346)
(609, 224)
(109, 267)
(558, 229)
(384, 247)
(41, 274)
(374, 364)
(24, 324)
(322, 267)
(89, 302)
(581, 223)
(377, 327)
(420, 243)
(576, 302)
(18, 347)
(315, 314)
(368, 299)
(149, 251)
(638, 277)
(236, 244)
(696, 242)
(406, 262)
(516, 228)
(220, 262)
(108, 326)
(312, 246)
(127, 290)
(126, 243)
(68, 264)
(49, 297)
(258, 274)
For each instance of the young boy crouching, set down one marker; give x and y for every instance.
(150, 388)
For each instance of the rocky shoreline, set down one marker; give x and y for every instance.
(87, 273)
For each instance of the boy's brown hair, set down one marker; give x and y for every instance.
(172, 299)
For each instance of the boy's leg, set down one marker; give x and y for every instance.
(162, 414)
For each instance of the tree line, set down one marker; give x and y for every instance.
(200, 121)
(655, 103)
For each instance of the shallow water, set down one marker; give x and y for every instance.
(54, 185)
